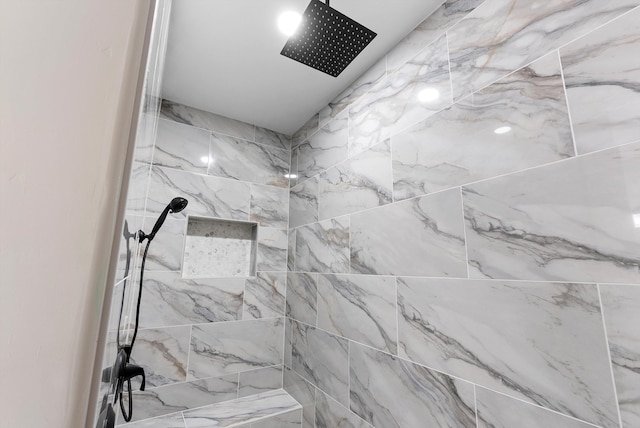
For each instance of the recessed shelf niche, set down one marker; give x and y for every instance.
(217, 248)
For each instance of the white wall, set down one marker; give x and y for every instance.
(68, 71)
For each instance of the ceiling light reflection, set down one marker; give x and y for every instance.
(428, 95)
(502, 130)
(288, 22)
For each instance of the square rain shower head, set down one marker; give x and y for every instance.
(326, 39)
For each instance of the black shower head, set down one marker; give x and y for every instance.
(326, 39)
(175, 206)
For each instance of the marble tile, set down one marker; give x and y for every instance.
(182, 396)
(162, 352)
(203, 119)
(293, 168)
(259, 381)
(303, 203)
(621, 308)
(389, 392)
(285, 420)
(540, 342)
(287, 342)
(219, 249)
(269, 206)
(235, 346)
(309, 128)
(304, 393)
(264, 295)
(207, 196)
(434, 26)
(499, 411)
(501, 36)
(323, 246)
(571, 221)
(324, 149)
(170, 300)
(291, 250)
(302, 296)
(360, 308)
(272, 138)
(230, 158)
(272, 249)
(421, 237)
(330, 414)
(459, 145)
(145, 138)
(322, 359)
(244, 410)
(182, 147)
(137, 191)
(171, 421)
(414, 92)
(165, 252)
(354, 91)
(364, 181)
(602, 74)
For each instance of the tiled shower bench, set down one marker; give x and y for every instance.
(273, 409)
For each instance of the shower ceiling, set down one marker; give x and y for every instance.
(223, 56)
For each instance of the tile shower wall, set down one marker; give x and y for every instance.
(208, 340)
(464, 247)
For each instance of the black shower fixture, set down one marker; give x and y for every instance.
(326, 39)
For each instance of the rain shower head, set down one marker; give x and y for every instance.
(326, 39)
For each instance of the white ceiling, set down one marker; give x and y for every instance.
(223, 56)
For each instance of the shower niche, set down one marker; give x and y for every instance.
(216, 248)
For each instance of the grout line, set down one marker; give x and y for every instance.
(566, 99)
(475, 403)
(348, 374)
(606, 341)
(464, 232)
(397, 318)
(446, 35)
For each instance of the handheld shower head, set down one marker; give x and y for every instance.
(175, 206)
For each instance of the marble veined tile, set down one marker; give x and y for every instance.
(182, 396)
(182, 147)
(291, 250)
(259, 381)
(287, 342)
(170, 300)
(331, 414)
(207, 196)
(162, 352)
(204, 119)
(231, 157)
(165, 252)
(304, 393)
(137, 190)
(392, 393)
(269, 206)
(264, 295)
(414, 92)
(243, 410)
(235, 346)
(434, 26)
(459, 145)
(359, 87)
(324, 149)
(602, 74)
(500, 36)
(302, 296)
(323, 246)
(621, 307)
(540, 342)
(291, 419)
(293, 168)
(272, 249)
(361, 308)
(303, 203)
(573, 221)
(418, 237)
(171, 421)
(308, 129)
(364, 181)
(499, 411)
(272, 138)
(322, 359)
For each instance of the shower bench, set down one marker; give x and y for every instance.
(273, 409)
